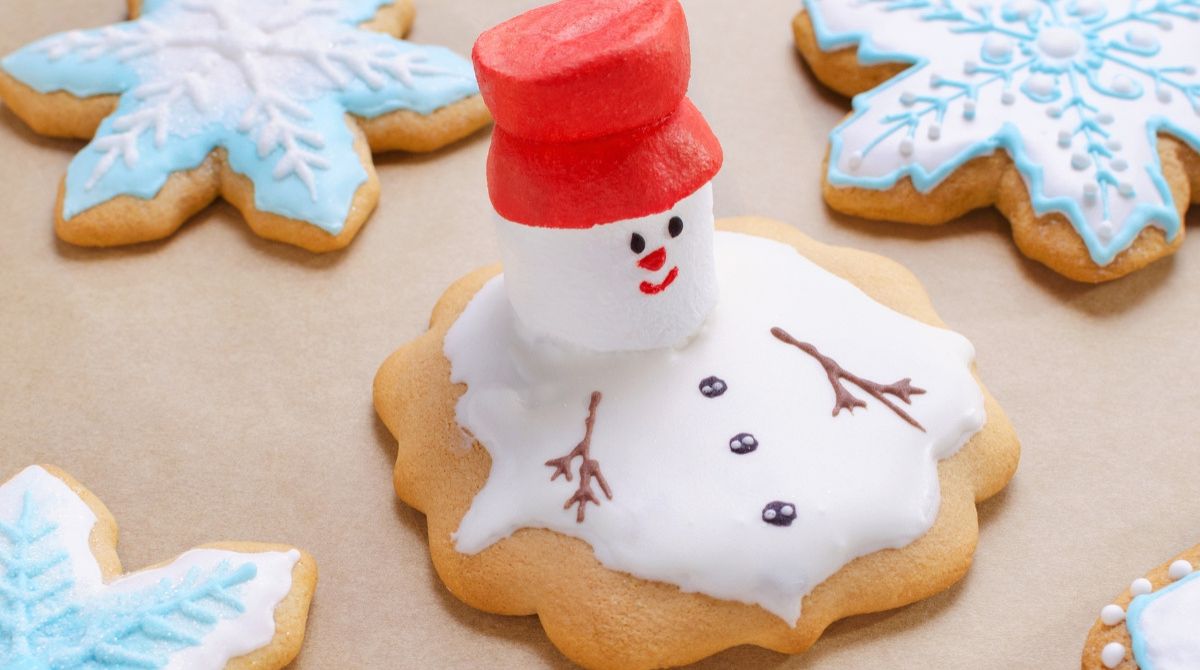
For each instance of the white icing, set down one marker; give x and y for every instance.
(249, 65)
(1030, 70)
(1179, 569)
(1168, 626)
(234, 636)
(1112, 615)
(1112, 654)
(583, 286)
(686, 510)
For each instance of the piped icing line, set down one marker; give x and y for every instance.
(270, 82)
(793, 497)
(1076, 92)
(206, 607)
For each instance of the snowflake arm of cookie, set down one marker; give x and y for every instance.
(1075, 92)
(271, 83)
(55, 612)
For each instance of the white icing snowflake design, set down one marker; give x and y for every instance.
(270, 81)
(1075, 90)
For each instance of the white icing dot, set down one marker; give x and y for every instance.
(906, 147)
(1179, 569)
(969, 109)
(1120, 165)
(935, 80)
(1007, 98)
(1105, 231)
(706, 390)
(1125, 189)
(1112, 615)
(1114, 145)
(997, 48)
(1019, 10)
(1090, 191)
(935, 132)
(1140, 587)
(1042, 85)
(1123, 85)
(1105, 118)
(1088, 8)
(1080, 161)
(970, 67)
(908, 99)
(1053, 112)
(788, 510)
(1166, 24)
(1142, 38)
(1112, 654)
(1059, 42)
(856, 160)
(1164, 95)
(1064, 138)
(769, 514)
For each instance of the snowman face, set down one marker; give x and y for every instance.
(630, 285)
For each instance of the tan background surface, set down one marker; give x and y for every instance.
(217, 387)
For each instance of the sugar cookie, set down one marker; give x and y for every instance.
(275, 106)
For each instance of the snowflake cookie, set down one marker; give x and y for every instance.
(1153, 624)
(275, 105)
(66, 603)
(1078, 119)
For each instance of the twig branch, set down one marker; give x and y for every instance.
(588, 469)
(844, 399)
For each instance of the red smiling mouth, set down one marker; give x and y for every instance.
(654, 289)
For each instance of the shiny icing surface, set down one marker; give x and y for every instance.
(196, 613)
(1163, 625)
(270, 81)
(729, 473)
(1074, 90)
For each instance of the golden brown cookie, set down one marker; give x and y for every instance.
(736, 505)
(274, 106)
(1080, 122)
(1152, 624)
(236, 605)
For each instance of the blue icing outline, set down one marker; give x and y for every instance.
(1007, 138)
(42, 624)
(287, 196)
(1134, 614)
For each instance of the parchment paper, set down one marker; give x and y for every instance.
(216, 386)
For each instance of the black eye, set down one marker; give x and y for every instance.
(675, 227)
(637, 243)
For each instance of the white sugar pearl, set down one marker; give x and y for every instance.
(1080, 161)
(1106, 230)
(1123, 85)
(997, 48)
(1112, 615)
(856, 160)
(1042, 85)
(1164, 95)
(1113, 654)
(1179, 569)
(906, 147)
(1142, 38)
(935, 132)
(1140, 587)
(1007, 98)
(1120, 165)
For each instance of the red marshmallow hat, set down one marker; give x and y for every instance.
(592, 125)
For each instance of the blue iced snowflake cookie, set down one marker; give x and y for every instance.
(1078, 119)
(65, 604)
(276, 105)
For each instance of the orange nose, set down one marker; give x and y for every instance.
(655, 260)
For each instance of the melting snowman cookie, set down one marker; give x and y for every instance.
(652, 397)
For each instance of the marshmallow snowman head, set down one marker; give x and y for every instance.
(600, 171)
